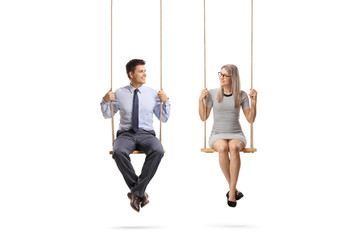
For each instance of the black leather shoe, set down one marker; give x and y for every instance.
(134, 201)
(144, 200)
(237, 197)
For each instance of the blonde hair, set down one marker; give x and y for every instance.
(235, 87)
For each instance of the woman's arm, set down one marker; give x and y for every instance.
(250, 113)
(202, 106)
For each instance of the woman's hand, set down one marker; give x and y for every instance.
(253, 94)
(250, 113)
(203, 94)
(204, 111)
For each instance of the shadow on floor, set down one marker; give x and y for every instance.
(230, 226)
(136, 227)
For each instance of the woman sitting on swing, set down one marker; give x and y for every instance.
(227, 137)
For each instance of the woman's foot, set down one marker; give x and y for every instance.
(238, 196)
(231, 196)
(231, 204)
(231, 199)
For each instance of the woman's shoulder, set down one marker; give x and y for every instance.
(243, 94)
(214, 90)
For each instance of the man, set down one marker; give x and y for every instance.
(137, 104)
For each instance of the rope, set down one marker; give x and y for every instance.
(204, 101)
(160, 65)
(252, 44)
(112, 104)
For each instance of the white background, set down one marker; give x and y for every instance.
(57, 180)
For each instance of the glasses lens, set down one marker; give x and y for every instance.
(220, 74)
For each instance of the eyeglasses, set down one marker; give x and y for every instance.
(223, 75)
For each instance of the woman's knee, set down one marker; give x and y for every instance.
(236, 146)
(221, 147)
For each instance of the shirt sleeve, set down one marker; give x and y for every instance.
(244, 100)
(106, 108)
(166, 108)
(209, 100)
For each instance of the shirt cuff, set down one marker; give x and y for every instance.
(167, 103)
(103, 101)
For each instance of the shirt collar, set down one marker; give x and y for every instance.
(132, 89)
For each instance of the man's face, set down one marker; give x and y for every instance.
(138, 77)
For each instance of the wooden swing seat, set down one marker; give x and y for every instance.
(134, 152)
(245, 150)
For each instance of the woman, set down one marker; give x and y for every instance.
(227, 137)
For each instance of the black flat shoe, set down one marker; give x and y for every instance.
(237, 197)
(231, 204)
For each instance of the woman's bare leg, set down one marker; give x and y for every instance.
(221, 146)
(235, 146)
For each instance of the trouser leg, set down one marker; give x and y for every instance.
(123, 146)
(151, 146)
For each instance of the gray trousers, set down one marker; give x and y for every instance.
(145, 141)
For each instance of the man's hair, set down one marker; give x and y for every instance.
(131, 65)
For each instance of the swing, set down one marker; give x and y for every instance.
(112, 105)
(245, 150)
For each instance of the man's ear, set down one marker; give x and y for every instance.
(131, 75)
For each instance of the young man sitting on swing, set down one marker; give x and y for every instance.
(136, 104)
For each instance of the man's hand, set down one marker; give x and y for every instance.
(109, 96)
(162, 96)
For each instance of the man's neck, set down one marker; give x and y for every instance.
(136, 85)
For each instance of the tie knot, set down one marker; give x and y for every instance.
(136, 90)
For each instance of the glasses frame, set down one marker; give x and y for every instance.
(223, 75)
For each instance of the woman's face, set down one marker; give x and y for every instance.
(225, 78)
